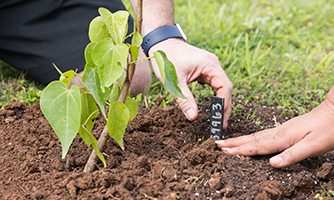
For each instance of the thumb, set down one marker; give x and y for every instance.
(188, 106)
(305, 148)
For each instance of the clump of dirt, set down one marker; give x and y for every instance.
(165, 157)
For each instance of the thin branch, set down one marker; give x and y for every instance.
(90, 165)
(147, 58)
(139, 15)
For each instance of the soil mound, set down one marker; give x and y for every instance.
(165, 157)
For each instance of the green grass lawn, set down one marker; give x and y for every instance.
(277, 53)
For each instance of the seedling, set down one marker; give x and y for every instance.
(105, 81)
(201, 140)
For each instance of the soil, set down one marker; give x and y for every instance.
(165, 157)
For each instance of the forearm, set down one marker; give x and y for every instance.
(156, 13)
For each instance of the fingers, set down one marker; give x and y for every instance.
(311, 145)
(267, 141)
(256, 144)
(238, 141)
(226, 94)
(188, 106)
(213, 74)
(301, 137)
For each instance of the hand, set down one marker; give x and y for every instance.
(301, 137)
(191, 64)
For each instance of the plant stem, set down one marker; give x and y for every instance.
(139, 15)
(147, 58)
(90, 165)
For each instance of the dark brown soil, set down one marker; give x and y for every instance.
(166, 157)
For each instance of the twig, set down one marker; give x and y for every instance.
(193, 179)
(139, 15)
(148, 197)
(176, 150)
(145, 101)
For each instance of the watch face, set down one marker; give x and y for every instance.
(182, 32)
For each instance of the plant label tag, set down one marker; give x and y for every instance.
(217, 117)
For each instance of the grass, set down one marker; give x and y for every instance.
(15, 86)
(275, 53)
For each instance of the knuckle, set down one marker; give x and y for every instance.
(288, 156)
(181, 102)
(247, 151)
(255, 137)
(212, 58)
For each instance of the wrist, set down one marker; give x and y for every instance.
(161, 34)
(166, 44)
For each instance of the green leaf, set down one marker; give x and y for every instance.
(91, 80)
(65, 77)
(88, 53)
(62, 107)
(133, 108)
(134, 52)
(163, 103)
(117, 23)
(327, 57)
(137, 39)
(98, 29)
(110, 59)
(102, 51)
(117, 121)
(91, 140)
(120, 22)
(168, 74)
(89, 111)
(115, 92)
(121, 79)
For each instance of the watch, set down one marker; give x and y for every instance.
(161, 34)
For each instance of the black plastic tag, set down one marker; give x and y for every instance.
(217, 117)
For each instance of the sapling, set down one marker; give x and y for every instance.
(105, 84)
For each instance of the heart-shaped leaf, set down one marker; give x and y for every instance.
(110, 59)
(62, 108)
(117, 121)
(98, 29)
(116, 24)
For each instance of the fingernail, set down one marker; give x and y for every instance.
(276, 161)
(219, 141)
(190, 113)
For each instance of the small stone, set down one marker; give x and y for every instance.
(215, 183)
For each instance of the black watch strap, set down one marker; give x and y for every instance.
(161, 34)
